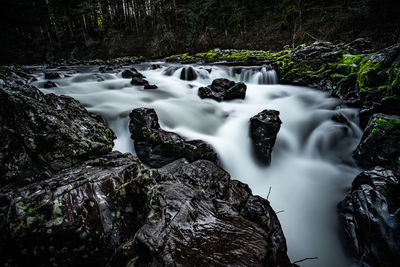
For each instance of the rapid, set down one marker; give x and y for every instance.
(311, 166)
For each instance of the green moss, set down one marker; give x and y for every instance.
(386, 125)
(152, 137)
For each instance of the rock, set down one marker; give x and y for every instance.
(223, 89)
(49, 84)
(150, 86)
(380, 143)
(188, 74)
(52, 75)
(111, 211)
(359, 46)
(132, 73)
(72, 218)
(46, 133)
(139, 81)
(264, 128)
(195, 221)
(157, 147)
(370, 218)
(340, 118)
(155, 66)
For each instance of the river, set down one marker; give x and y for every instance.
(311, 166)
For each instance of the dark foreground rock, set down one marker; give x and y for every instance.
(380, 144)
(46, 133)
(110, 211)
(68, 219)
(223, 89)
(370, 217)
(157, 147)
(264, 128)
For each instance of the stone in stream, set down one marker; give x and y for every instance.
(157, 147)
(264, 128)
(150, 86)
(370, 218)
(111, 211)
(137, 77)
(45, 133)
(223, 89)
(188, 74)
(132, 73)
(49, 84)
(52, 75)
(380, 143)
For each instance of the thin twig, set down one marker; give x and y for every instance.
(305, 259)
(269, 192)
(279, 211)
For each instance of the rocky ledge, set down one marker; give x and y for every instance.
(157, 147)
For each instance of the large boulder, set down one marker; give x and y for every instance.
(370, 218)
(264, 128)
(71, 218)
(157, 147)
(223, 89)
(380, 143)
(46, 133)
(111, 211)
(197, 216)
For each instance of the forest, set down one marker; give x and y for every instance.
(47, 30)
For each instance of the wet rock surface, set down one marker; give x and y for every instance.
(264, 128)
(188, 74)
(157, 147)
(110, 211)
(200, 217)
(370, 217)
(380, 144)
(45, 133)
(70, 218)
(223, 89)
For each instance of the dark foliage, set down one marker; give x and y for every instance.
(39, 30)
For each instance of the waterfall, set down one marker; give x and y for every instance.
(311, 162)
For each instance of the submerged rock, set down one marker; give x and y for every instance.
(150, 86)
(223, 89)
(42, 133)
(52, 75)
(49, 84)
(139, 81)
(380, 143)
(132, 73)
(157, 147)
(370, 217)
(264, 128)
(188, 74)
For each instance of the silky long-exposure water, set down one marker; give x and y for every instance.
(311, 162)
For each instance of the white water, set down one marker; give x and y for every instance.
(310, 163)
